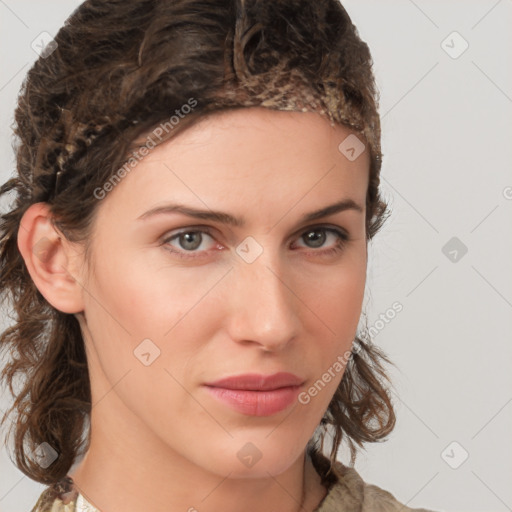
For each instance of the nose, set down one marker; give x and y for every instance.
(263, 308)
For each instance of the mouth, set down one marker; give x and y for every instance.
(257, 395)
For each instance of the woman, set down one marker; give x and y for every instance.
(186, 258)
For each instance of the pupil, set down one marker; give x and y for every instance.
(318, 241)
(189, 242)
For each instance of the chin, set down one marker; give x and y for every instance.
(258, 459)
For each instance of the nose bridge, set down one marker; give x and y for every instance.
(263, 308)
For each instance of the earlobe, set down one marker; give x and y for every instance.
(51, 260)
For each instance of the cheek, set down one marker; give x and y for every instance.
(135, 299)
(144, 329)
(336, 297)
(336, 308)
(341, 302)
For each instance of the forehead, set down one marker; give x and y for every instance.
(249, 158)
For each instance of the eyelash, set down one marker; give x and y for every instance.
(343, 238)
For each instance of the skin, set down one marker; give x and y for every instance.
(159, 441)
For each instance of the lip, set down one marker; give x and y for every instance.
(255, 394)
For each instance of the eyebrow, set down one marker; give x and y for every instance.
(226, 218)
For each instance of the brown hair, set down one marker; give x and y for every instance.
(120, 68)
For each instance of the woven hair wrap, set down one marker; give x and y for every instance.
(280, 88)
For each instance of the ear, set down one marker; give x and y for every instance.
(54, 263)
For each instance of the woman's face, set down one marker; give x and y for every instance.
(166, 314)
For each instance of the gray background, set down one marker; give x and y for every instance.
(447, 138)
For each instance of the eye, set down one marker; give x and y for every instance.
(189, 241)
(317, 236)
